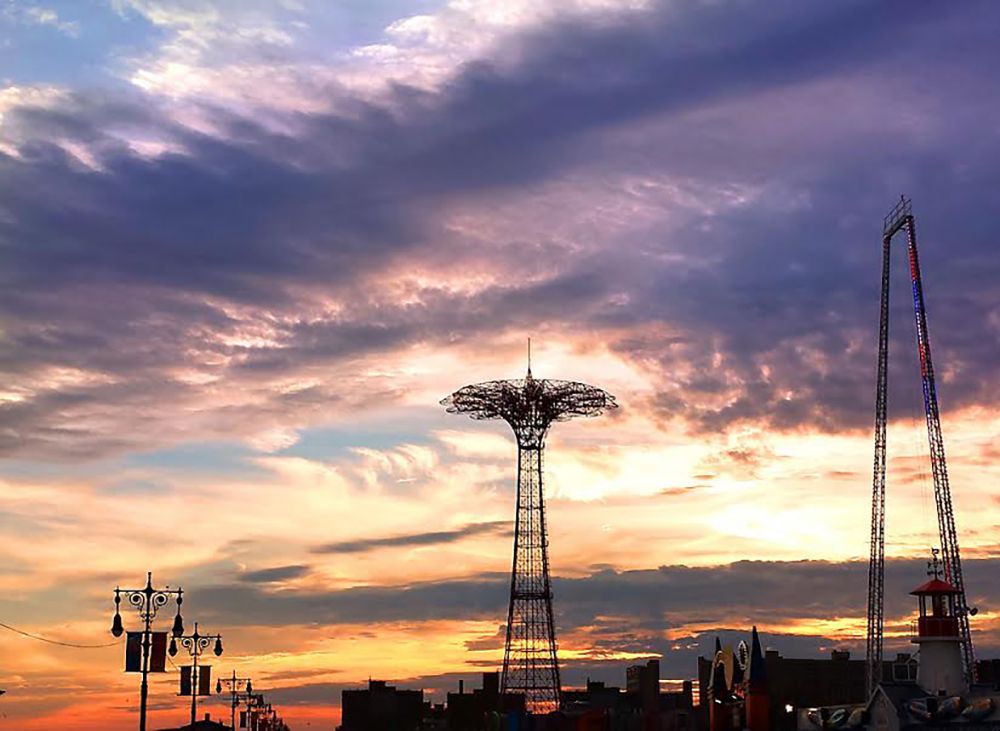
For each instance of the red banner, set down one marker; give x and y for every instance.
(204, 680)
(185, 680)
(158, 654)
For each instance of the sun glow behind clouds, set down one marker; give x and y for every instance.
(639, 527)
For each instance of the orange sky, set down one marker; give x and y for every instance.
(652, 498)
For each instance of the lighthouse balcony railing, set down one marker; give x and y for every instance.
(934, 627)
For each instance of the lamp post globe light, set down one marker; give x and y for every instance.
(147, 601)
(195, 643)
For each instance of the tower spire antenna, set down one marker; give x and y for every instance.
(529, 357)
(530, 406)
(934, 565)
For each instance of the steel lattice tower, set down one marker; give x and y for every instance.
(899, 219)
(529, 406)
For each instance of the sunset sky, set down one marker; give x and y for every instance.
(246, 246)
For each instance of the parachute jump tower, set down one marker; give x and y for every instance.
(901, 219)
(530, 406)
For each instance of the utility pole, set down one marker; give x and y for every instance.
(147, 602)
(195, 644)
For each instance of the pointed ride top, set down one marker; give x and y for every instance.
(758, 668)
(529, 358)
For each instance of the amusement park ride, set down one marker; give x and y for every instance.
(900, 218)
(530, 406)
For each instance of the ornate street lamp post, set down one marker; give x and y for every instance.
(195, 644)
(234, 686)
(266, 715)
(256, 708)
(147, 602)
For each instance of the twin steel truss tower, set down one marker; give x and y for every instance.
(530, 406)
(901, 219)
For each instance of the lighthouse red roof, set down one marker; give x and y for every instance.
(935, 586)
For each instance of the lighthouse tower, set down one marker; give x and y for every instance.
(940, 672)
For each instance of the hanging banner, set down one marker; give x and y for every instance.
(133, 652)
(204, 680)
(243, 719)
(185, 680)
(158, 653)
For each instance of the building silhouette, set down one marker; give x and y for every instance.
(472, 711)
(792, 683)
(381, 707)
(640, 706)
(204, 724)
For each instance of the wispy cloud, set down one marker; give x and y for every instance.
(432, 538)
(279, 302)
(38, 15)
(275, 574)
